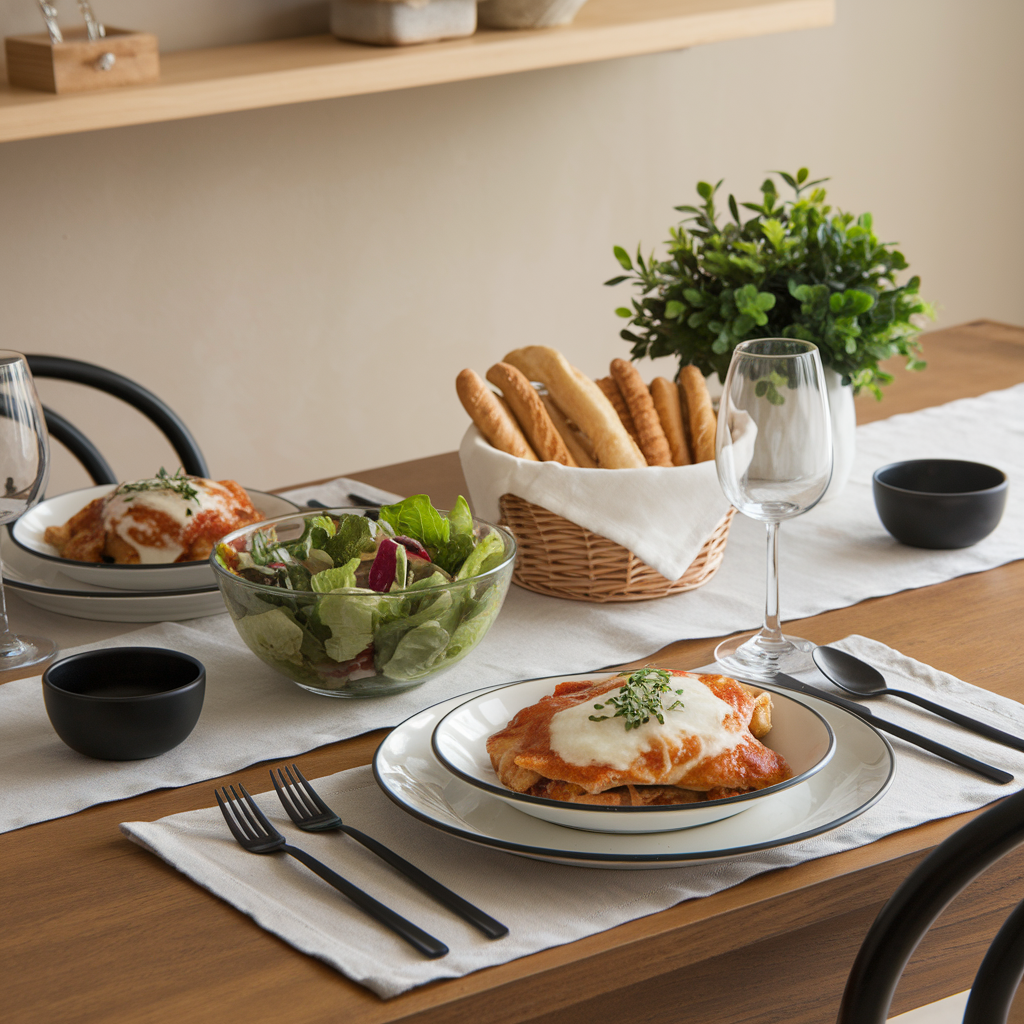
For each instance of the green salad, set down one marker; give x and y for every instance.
(362, 603)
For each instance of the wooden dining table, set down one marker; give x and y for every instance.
(95, 929)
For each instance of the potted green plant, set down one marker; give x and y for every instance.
(796, 268)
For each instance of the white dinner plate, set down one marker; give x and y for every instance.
(459, 741)
(28, 533)
(857, 777)
(42, 584)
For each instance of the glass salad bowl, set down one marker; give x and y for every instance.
(347, 604)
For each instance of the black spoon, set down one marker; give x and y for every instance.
(939, 749)
(855, 676)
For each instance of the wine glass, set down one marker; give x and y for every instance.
(773, 453)
(24, 468)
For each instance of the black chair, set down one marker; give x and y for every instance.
(920, 899)
(146, 402)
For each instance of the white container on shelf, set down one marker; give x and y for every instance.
(527, 13)
(400, 22)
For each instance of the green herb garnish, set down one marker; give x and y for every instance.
(163, 481)
(640, 698)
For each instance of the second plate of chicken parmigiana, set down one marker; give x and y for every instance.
(646, 751)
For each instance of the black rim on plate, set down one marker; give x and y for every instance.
(135, 595)
(506, 794)
(649, 858)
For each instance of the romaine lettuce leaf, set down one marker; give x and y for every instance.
(461, 539)
(350, 618)
(417, 652)
(461, 519)
(488, 553)
(417, 518)
(315, 532)
(401, 568)
(474, 625)
(335, 579)
(388, 636)
(435, 579)
(273, 635)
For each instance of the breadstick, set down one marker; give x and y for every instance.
(666, 400)
(614, 395)
(530, 412)
(583, 402)
(492, 417)
(649, 434)
(696, 402)
(585, 442)
(573, 439)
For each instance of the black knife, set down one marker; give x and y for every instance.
(785, 682)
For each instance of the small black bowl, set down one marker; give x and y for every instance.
(124, 703)
(939, 503)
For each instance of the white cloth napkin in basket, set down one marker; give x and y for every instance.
(662, 515)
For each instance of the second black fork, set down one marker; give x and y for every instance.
(254, 832)
(311, 814)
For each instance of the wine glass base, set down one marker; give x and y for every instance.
(752, 657)
(26, 652)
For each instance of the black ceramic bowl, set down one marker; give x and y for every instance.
(124, 703)
(939, 503)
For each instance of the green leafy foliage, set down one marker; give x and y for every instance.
(797, 268)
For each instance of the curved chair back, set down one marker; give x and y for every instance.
(146, 402)
(919, 900)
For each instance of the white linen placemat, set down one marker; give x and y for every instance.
(545, 904)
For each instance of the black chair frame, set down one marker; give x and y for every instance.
(919, 900)
(79, 372)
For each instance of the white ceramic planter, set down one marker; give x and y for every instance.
(527, 13)
(398, 23)
(844, 432)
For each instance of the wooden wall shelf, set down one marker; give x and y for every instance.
(196, 83)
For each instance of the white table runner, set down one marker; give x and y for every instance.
(545, 904)
(835, 556)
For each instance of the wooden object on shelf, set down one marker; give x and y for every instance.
(80, 64)
(195, 83)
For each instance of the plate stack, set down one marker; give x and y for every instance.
(111, 593)
(435, 766)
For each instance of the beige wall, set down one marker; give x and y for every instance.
(302, 284)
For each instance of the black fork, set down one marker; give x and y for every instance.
(311, 814)
(254, 833)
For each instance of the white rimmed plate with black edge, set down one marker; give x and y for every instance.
(28, 533)
(858, 776)
(44, 585)
(459, 741)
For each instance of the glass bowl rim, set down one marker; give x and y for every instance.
(220, 571)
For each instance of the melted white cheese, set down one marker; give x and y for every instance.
(163, 546)
(577, 740)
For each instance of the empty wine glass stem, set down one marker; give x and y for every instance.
(9, 643)
(771, 631)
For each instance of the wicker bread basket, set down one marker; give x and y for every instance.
(561, 559)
